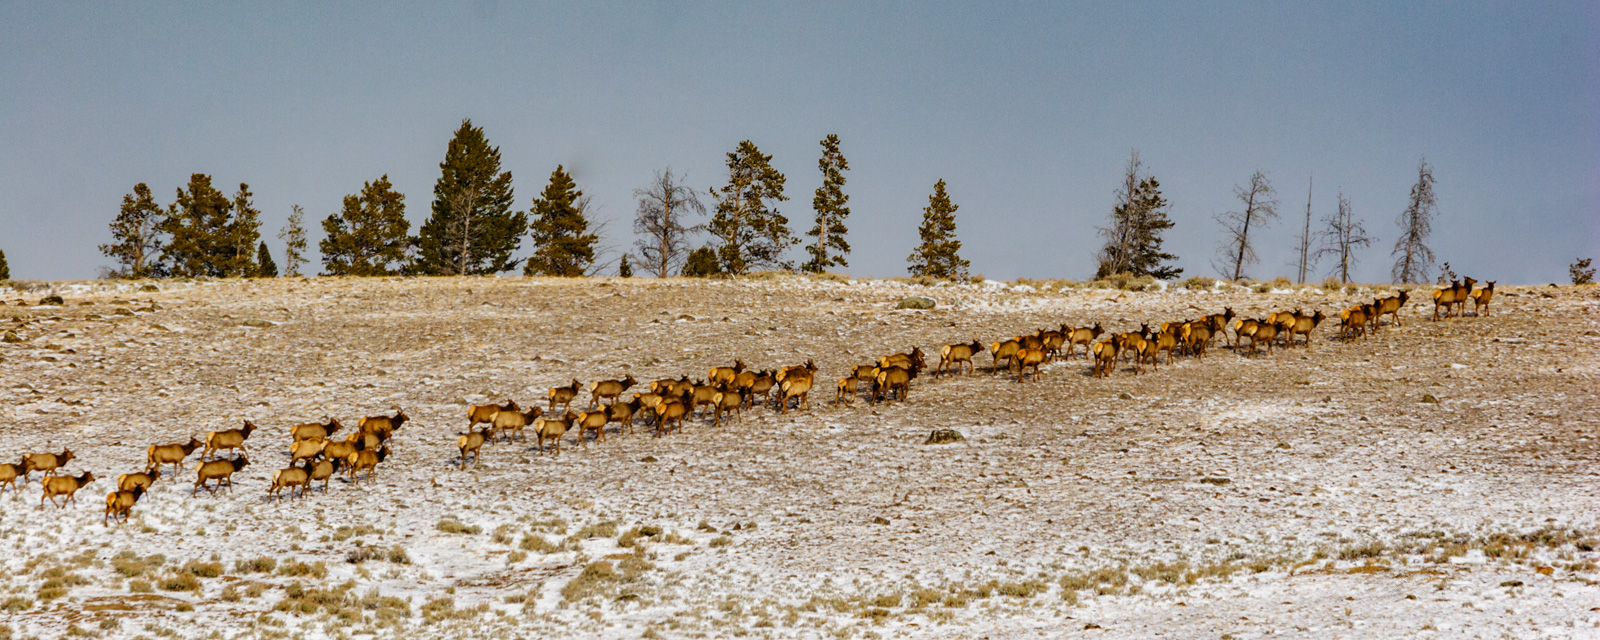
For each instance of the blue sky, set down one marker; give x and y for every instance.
(1028, 111)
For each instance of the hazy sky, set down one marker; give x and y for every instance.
(1028, 111)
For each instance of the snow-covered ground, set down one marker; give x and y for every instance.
(1311, 493)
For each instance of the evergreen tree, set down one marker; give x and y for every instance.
(473, 229)
(624, 270)
(198, 225)
(702, 263)
(5, 269)
(1133, 235)
(663, 206)
(368, 236)
(830, 248)
(562, 244)
(1414, 259)
(294, 241)
(939, 254)
(752, 233)
(265, 267)
(136, 240)
(241, 236)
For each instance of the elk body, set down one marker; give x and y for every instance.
(797, 387)
(670, 411)
(1391, 306)
(64, 486)
(228, 440)
(727, 401)
(9, 472)
(306, 449)
(956, 354)
(622, 413)
(552, 427)
(1481, 299)
(482, 413)
(564, 395)
(383, 426)
(1005, 350)
(289, 478)
(322, 470)
(1304, 325)
(366, 460)
(592, 421)
(314, 430)
(725, 375)
(1105, 357)
(219, 470)
(471, 442)
(49, 463)
(1084, 336)
(608, 389)
(120, 503)
(891, 380)
(337, 451)
(846, 390)
(1026, 359)
(173, 454)
(141, 480)
(511, 422)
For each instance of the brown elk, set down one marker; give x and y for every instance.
(383, 426)
(1005, 350)
(1353, 321)
(670, 411)
(289, 478)
(142, 479)
(1054, 340)
(1025, 359)
(701, 395)
(595, 421)
(471, 442)
(9, 472)
(956, 354)
(322, 470)
(173, 454)
(1267, 331)
(1166, 340)
(1084, 336)
(338, 451)
(796, 387)
(482, 413)
(725, 375)
(1391, 306)
(228, 440)
(891, 380)
(366, 460)
(608, 389)
(552, 427)
(49, 463)
(1243, 328)
(119, 504)
(845, 391)
(64, 486)
(1463, 292)
(511, 422)
(564, 395)
(910, 360)
(806, 370)
(1105, 357)
(729, 401)
(1481, 299)
(622, 413)
(315, 431)
(1196, 336)
(306, 450)
(220, 470)
(666, 386)
(1304, 325)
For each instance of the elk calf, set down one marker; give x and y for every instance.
(471, 442)
(119, 503)
(291, 478)
(220, 470)
(64, 486)
(956, 354)
(552, 427)
(603, 389)
(564, 395)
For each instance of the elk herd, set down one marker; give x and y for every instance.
(724, 394)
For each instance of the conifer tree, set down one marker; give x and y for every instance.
(136, 239)
(562, 243)
(265, 267)
(1413, 257)
(939, 254)
(368, 236)
(1133, 237)
(473, 229)
(198, 225)
(752, 233)
(241, 236)
(294, 241)
(5, 269)
(624, 270)
(830, 248)
(702, 263)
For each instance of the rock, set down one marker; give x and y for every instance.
(258, 323)
(1215, 481)
(150, 288)
(944, 436)
(52, 300)
(1124, 396)
(1428, 398)
(11, 336)
(647, 459)
(916, 302)
(880, 520)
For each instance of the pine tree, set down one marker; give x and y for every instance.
(663, 207)
(5, 269)
(473, 229)
(265, 267)
(198, 225)
(242, 234)
(939, 254)
(702, 263)
(136, 240)
(368, 236)
(293, 236)
(624, 270)
(830, 248)
(1137, 222)
(752, 233)
(1260, 207)
(562, 244)
(1415, 259)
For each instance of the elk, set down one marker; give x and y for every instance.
(49, 463)
(891, 380)
(1105, 357)
(760, 387)
(671, 410)
(1304, 325)
(797, 387)
(64, 486)
(1084, 336)
(1445, 298)
(955, 354)
(807, 370)
(323, 471)
(9, 472)
(592, 421)
(846, 390)
(220, 470)
(1264, 331)
(1166, 340)
(1132, 344)
(701, 395)
(729, 401)
(315, 431)
(1242, 328)
(173, 454)
(603, 389)
(1481, 299)
(552, 427)
(1353, 321)
(1390, 306)
(382, 426)
(564, 395)
(142, 480)
(290, 478)
(1053, 341)
(1196, 336)
(337, 451)
(119, 503)
(1004, 350)
(665, 386)
(366, 460)
(622, 413)
(472, 442)
(1462, 293)
(481, 413)
(725, 375)
(228, 440)
(511, 422)
(306, 449)
(1027, 358)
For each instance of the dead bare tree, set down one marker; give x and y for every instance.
(1305, 238)
(1342, 236)
(1117, 254)
(463, 202)
(1260, 209)
(1415, 259)
(662, 208)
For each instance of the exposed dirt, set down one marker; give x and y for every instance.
(1312, 492)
